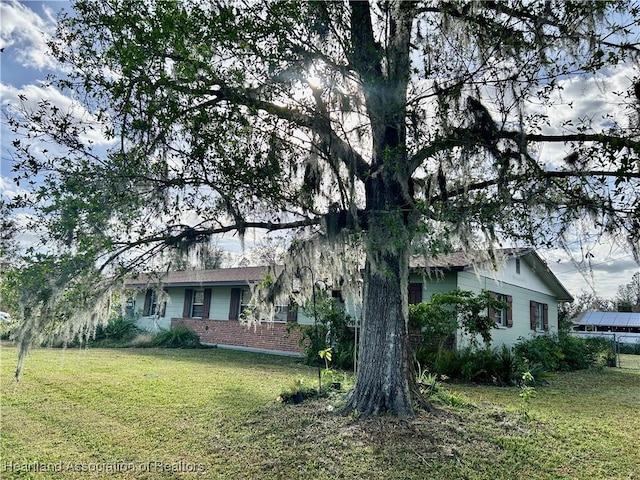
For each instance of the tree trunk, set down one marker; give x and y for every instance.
(384, 380)
(384, 366)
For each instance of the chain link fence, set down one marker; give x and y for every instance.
(622, 344)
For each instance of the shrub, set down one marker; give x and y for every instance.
(118, 332)
(178, 337)
(332, 331)
(564, 352)
(477, 365)
(543, 350)
(497, 366)
(119, 329)
(508, 366)
(448, 363)
(505, 366)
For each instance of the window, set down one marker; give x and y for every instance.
(151, 306)
(245, 299)
(502, 316)
(241, 300)
(517, 265)
(130, 308)
(415, 293)
(539, 316)
(197, 303)
(281, 313)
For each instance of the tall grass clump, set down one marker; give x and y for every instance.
(178, 337)
(119, 330)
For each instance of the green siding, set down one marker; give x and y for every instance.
(441, 283)
(521, 299)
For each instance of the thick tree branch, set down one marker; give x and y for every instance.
(318, 124)
(610, 140)
(513, 178)
(469, 137)
(193, 235)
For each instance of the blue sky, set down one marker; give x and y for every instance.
(24, 65)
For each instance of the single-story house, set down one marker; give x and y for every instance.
(518, 277)
(625, 326)
(210, 302)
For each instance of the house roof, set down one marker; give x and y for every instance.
(247, 275)
(461, 261)
(609, 319)
(221, 276)
(450, 261)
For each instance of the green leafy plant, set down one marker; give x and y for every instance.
(119, 329)
(297, 391)
(527, 392)
(178, 337)
(333, 330)
(507, 365)
(327, 376)
(446, 312)
(439, 319)
(564, 352)
(427, 382)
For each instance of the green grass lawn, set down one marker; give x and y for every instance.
(152, 413)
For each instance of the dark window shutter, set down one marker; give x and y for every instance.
(415, 293)
(292, 312)
(545, 317)
(188, 298)
(162, 307)
(147, 303)
(234, 307)
(491, 313)
(206, 303)
(532, 314)
(510, 311)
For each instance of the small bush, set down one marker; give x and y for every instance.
(332, 330)
(297, 392)
(563, 352)
(119, 329)
(178, 337)
(508, 366)
(448, 363)
(543, 350)
(498, 367)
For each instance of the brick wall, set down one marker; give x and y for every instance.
(266, 336)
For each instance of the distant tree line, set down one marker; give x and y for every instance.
(627, 299)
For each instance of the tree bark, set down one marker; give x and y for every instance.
(384, 380)
(384, 375)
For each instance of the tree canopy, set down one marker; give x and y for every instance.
(628, 295)
(397, 127)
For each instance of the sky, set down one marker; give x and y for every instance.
(588, 263)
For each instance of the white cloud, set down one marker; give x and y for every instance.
(31, 95)
(8, 189)
(598, 100)
(24, 34)
(599, 266)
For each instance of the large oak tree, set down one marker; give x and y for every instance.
(402, 127)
